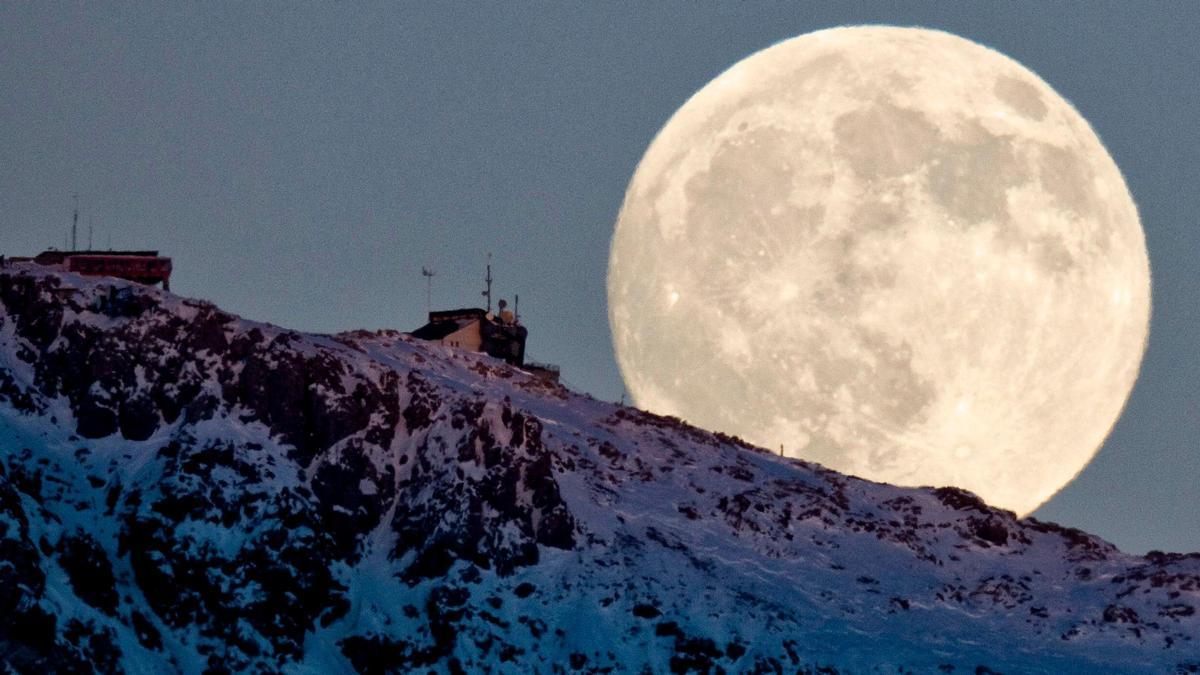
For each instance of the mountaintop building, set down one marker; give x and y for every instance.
(478, 330)
(143, 267)
(499, 334)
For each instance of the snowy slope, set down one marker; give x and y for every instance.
(184, 490)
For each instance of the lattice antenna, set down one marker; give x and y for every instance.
(487, 293)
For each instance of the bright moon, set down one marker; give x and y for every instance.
(892, 251)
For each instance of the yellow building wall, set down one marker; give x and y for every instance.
(467, 337)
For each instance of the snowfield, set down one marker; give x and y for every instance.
(185, 491)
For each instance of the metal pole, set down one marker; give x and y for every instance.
(75, 225)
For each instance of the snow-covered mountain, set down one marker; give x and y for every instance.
(184, 490)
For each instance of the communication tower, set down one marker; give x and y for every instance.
(487, 292)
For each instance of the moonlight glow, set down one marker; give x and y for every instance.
(893, 251)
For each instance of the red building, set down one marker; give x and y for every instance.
(144, 267)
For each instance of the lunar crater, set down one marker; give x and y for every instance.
(883, 140)
(1021, 96)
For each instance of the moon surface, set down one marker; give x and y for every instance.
(892, 251)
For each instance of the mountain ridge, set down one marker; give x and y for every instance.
(185, 490)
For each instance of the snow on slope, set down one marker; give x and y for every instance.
(185, 491)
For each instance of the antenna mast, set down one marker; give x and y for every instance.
(488, 293)
(75, 224)
(91, 231)
(428, 274)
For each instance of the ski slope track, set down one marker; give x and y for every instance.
(182, 490)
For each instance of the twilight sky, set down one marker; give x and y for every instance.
(301, 164)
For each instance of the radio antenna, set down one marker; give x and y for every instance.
(428, 274)
(75, 224)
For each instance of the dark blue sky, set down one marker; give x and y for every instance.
(302, 163)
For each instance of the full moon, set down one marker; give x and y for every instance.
(892, 251)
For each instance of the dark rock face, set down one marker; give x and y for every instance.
(90, 572)
(275, 585)
(32, 639)
(474, 520)
(182, 490)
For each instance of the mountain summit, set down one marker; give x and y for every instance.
(182, 490)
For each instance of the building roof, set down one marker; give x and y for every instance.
(56, 257)
(436, 330)
(457, 314)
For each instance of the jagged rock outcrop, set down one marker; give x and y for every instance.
(184, 490)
